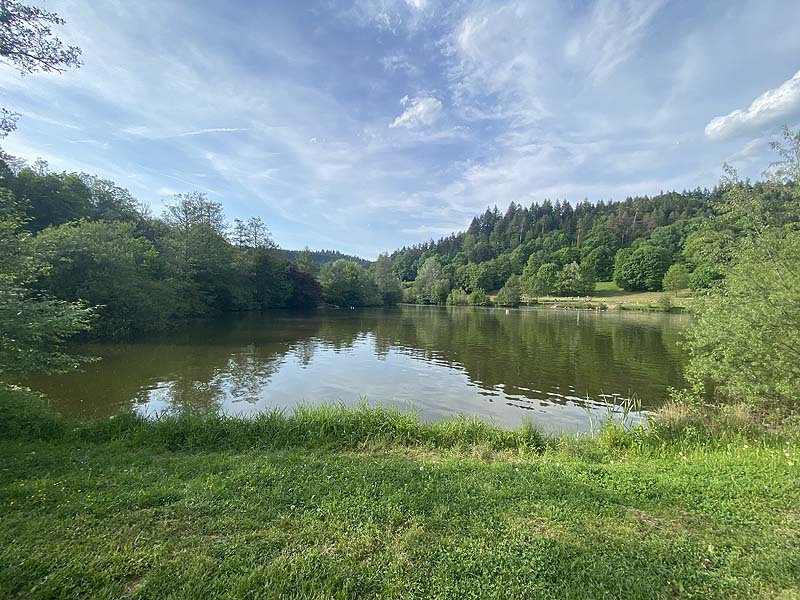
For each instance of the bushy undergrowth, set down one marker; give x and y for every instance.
(26, 415)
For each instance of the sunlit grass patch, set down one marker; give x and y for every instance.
(372, 503)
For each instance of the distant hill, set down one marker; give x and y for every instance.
(323, 257)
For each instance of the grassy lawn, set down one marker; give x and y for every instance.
(608, 294)
(371, 505)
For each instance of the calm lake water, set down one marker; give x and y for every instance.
(555, 368)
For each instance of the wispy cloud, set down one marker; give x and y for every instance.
(419, 111)
(766, 109)
(290, 111)
(609, 35)
(391, 15)
(211, 130)
(144, 131)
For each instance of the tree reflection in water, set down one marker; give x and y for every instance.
(441, 360)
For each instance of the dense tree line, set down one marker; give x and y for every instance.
(79, 253)
(96, 245)
(558, 249)
(313, 260)
(86, 246)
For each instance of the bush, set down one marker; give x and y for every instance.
(478, 298)
(746, 333)
(26, 414)
(347, 283)
(704, 277)
(676, 278)
(458, 297)
(510, 294)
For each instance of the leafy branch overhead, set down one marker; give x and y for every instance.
(27, 42)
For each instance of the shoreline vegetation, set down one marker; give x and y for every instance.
(335, 502)
(606, 296)
(368, 502)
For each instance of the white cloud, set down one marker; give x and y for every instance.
(167, 191)
(767, 108)
(400, 62)
(610, 34)
(153, 134)
(391, 15)
(211, 130)
(421, 111)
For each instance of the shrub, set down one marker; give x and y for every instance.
(676, 278)
(478, 298)
(510, 294)
(458, 297)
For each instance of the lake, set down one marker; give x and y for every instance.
(555, 368)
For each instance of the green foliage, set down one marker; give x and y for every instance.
(104, 265)
(709, 247)
(511, 293)
(27, 44)
(346, 283)
(305, 261)
(601, 262)
(52, 198)
(252, 233)
(409, 297)
(745, 336)
(198, 256)
(642, 268)
(497, 245)
(673, 237)
(34, 331)
(676, 278)
(479, 298)
(25, 414)
(142, 273)
(33, 326)
(27, 40)
(705, 277)
(574, 279)
(387, 283)
(267, 277)
(544, 281)
(430, 286)
(457, 297)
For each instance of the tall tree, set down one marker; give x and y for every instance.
(387, 282)
(305, 261)
(346, 283)
(199, 258)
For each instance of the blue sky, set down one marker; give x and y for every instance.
(369, 124)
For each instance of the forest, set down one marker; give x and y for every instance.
(195, 480)
(83, 257)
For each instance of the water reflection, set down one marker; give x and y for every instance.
(555, 368)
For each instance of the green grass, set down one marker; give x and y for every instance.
(335, 503)
(608, 295)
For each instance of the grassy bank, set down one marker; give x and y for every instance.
(368, 503)
(608, 296)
